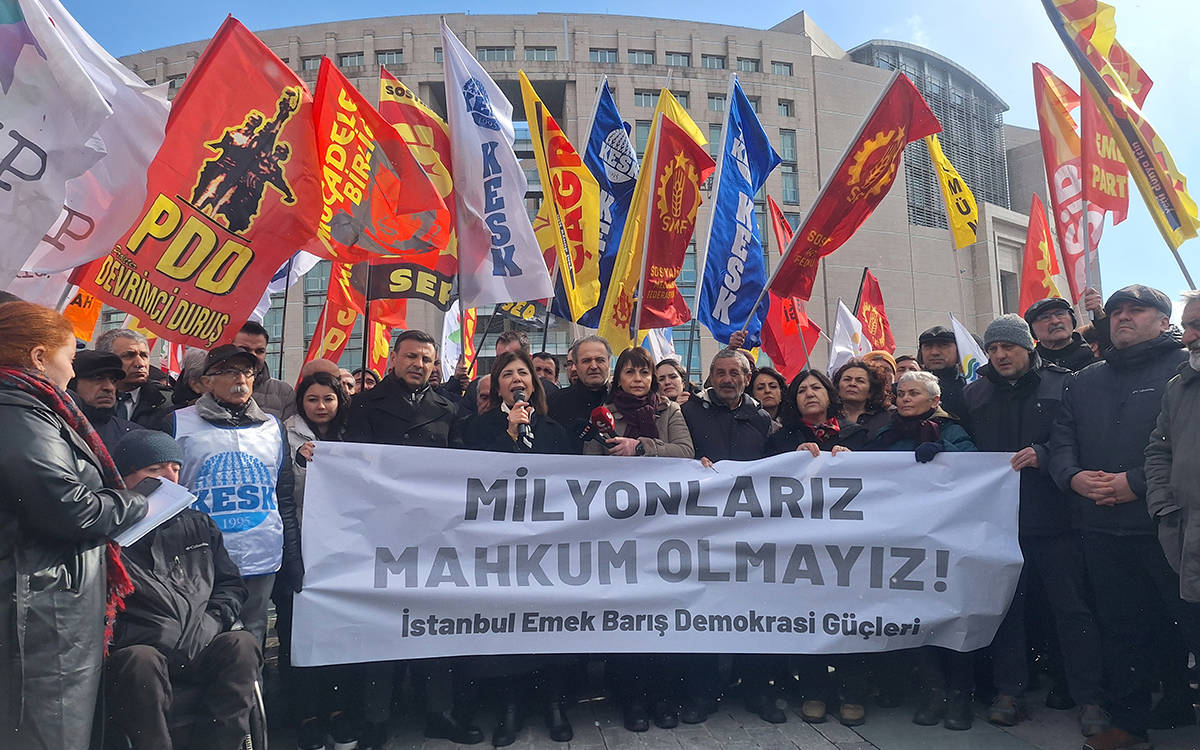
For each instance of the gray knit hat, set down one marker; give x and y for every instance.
(1011, 328)
(141, 448)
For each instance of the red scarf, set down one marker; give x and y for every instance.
(825, 431)
(56, 400)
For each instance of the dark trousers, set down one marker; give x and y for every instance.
(944, 669)
(645, 679)
(313, 692)
(1132, 581)
(140, 692)
(1057, 564)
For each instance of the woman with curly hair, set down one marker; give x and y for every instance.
(864, 400)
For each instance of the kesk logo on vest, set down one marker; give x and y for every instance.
(236, 489)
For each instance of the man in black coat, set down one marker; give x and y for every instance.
(572, 407)
(404, 410)
(1012, 407)
(937, 352)
(138, 400)
(181, 624)
(1053, 323)
(1096, 457)
(94, 388)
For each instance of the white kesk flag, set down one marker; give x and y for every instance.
(970, 356)
(499, 258)
(848, 340)
(660, 342)
(102, 203)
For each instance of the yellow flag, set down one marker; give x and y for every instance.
(627, 268)
(570, 200)
(961, 209)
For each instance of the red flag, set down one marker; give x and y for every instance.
(1105, 178)
(787, 335)
(682, 165)
(860, 182)
(872, 314)
(231, 194)
(1041, 264)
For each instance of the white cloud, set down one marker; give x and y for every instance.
(916, 30)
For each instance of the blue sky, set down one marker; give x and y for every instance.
(996, 40)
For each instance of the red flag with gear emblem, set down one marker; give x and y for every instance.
(862, 179)
(788, 336)
(1041, 263)
(872, 314)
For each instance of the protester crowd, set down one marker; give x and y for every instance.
(1101, 422)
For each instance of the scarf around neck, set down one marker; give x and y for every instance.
(638, 413)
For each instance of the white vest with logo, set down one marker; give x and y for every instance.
(233, 472)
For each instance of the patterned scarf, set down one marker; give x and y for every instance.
(638, 413)
(56, 400)
(825, 431)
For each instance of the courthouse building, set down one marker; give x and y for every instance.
(811, 95)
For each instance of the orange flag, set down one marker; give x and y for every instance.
(787, 334)
(872, 314)
(83, 312)
(1041, 264)
(860, 182)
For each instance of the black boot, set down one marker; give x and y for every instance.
(695, 711)
(557, 722)
(636, 719)
(958, 710)
(764, 705)
(931, 709)
(666, 715)
(510, 723)
(446, 726)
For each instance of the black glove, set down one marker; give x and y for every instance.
(291, 573)
(926, 452)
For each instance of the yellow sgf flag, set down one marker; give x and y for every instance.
(627, 268)
(573, 196)
(961, 208)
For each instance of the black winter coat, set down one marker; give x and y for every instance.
(785, 440)
(109, 426)
(386, 415)
(1074, 356)
(152, 407)
(186, 589)
(489, 432)
(1007, 417)
(55, 519)
(723, 434)
(1109, 411)
(572, 408)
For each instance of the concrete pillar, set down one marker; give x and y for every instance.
(660, 48)
(293, 52)
(369, 62)
(160, 69)
(331, 46)
(519, 43)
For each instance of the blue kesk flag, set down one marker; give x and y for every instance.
(614, 164)
(734, 269)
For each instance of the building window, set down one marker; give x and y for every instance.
(390, 57)
(749, 64)
(641, 57)
(273, 322)
(641, 135)
(150, 82)
(645, 98)
(683, 98)
(351, 60)
(174, 83)
(714, 139)
(787, 145)
(787, 108)
(791, 184)
(679, 60)
(793, 219)
(755, 103)
(541, 54)
(712, 61)
(310, 63)
(495, 54)
(602, 55)
(437, 54)
(716, 102)
(781, 68)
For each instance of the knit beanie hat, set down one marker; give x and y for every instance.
(141, 448)
(1011, 328)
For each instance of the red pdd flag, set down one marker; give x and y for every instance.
(379, 204)
(863, 177)
(872, 314)
(681, 165)
(1041, 263)
(231, 194)
(787, 335)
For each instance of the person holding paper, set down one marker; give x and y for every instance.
(61, 500)
(182, 622)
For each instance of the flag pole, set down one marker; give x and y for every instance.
(693, 334)
(702, 259)
(366, 339)
(487, 328)
(287, 278)
(858, 297)
(637, 313)
(825, 186)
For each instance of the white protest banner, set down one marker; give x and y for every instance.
(423, 552)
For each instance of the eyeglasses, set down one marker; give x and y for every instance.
(234, 372)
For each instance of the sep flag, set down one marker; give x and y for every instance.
(734, 269)
(872, 314)
(615, 321)
(961, 209)
(498, 255)
(1041, 262)
(103, 202)
(428, 552)
(680, 166)
(788, 335)
(573, 196)
(50, 110)
(848, 340)
(378, 202)
(614, 164)
(231, 194)
(1162, 185)
(970, 356)
(858, 184)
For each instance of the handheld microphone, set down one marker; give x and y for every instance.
(602, 423)
(524, 431)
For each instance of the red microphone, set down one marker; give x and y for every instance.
(602, 424)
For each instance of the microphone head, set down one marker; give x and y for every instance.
(602, 419)
(519, 395)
